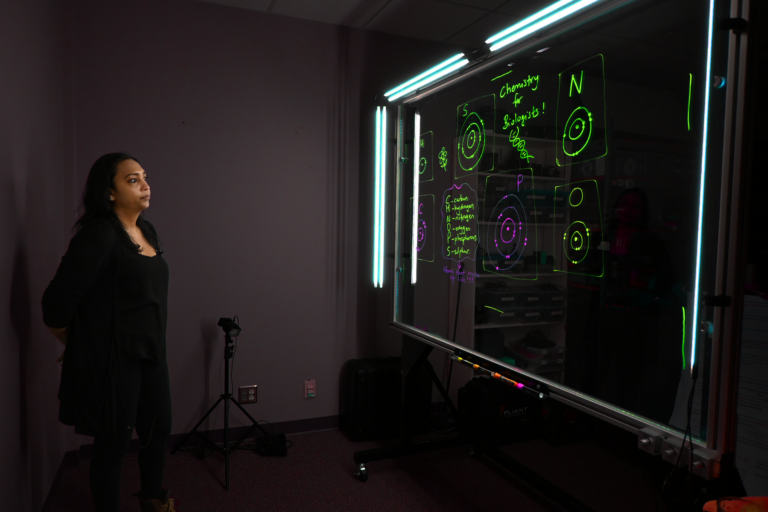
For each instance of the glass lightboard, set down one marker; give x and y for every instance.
(558, 208)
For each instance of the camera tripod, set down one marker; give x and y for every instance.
(227, 398)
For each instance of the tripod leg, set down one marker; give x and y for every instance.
(256, 423)
(194, 429)
(226, 442)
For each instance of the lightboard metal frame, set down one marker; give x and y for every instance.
(721, 404)
(721, 432)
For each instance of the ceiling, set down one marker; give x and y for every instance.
(467, 23)
(661, 34)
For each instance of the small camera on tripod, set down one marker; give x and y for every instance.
(231, 329)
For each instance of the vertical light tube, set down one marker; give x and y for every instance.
(415, 205)
(382, 192)
(376, 205)
(707, 86)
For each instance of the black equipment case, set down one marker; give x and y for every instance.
(497, 411)
(369, 401)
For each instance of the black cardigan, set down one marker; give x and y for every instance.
(81, 297)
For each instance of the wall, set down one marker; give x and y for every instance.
(242, 121)
(249, 126)
(35, 193)
(254, 130)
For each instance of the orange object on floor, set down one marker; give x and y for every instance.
(746, 504)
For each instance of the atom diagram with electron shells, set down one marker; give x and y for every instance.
(471, 142)
(422, 235)
(507, 235)
(578, 131)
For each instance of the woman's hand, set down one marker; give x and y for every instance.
(61, 335)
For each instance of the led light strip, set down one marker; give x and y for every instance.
(707, 85)
(531, 24)
(380, 171)
(415, 205)
(377, 196)
(528, 20)
(403, 90)
(424, 74)
(383, 192)
(528, 28)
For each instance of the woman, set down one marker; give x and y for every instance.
(639, 352)
(108, 305)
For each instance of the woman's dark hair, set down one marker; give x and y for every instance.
(96, 203)
(643, 198)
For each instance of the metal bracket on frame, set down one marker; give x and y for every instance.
(738, 25)
(717, 301)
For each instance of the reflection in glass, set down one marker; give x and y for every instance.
(567, 196)
(641, 327)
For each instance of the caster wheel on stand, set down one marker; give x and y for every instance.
(362, 473)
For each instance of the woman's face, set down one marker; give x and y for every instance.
(131, 190)
(630, 210)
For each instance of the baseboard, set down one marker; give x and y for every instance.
(73, 458)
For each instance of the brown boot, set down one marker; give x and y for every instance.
(152, 505)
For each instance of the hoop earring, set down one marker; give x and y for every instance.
(111, 198)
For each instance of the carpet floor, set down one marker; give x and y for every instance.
(317, 475)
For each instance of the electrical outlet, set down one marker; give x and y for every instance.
(248, 394)
(309, 389)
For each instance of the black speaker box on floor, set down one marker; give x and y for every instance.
(563, 424)
(498, 411)
(369, 399)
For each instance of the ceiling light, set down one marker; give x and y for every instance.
(529, 20)
(542, 18)
(425, 74)
(403, 90)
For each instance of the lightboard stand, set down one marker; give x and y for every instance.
(227, 399)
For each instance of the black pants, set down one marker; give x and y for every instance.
(145, 402)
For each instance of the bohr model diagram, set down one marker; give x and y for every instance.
(576, 241)
(578, 131)
(507, 233)
(471, 142)
(422, 235)
(475, 121)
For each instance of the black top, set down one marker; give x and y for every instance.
(142, 306)
(83, 297)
